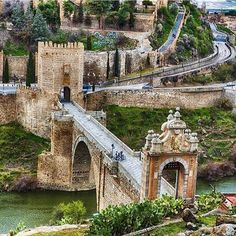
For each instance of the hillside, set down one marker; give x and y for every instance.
(18, 154)
(215, 128)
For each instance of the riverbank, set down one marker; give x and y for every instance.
(19, 152)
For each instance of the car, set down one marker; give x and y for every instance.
(147, 86)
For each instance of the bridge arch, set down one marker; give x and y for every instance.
(82, 170)
(173, 174)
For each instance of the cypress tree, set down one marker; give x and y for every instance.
(89, 42)
(81, 13)
(87, 20)
(117, 64)
(131, 20)
(108, 65)
(5, 76)
(30, 77)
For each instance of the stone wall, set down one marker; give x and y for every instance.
(17, 66)
(1, 65)
(34, 110)
(7, 108)
(157, 98)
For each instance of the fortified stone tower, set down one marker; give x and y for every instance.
(60, 69)
(1, 7)
(170, 161)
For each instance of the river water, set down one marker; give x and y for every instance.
(35, 208)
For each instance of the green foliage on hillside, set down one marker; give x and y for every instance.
(15, 49)
(165, 22)
(18, 153)
(196, 36)
(119, 220)
(225, 73)
(215, 128)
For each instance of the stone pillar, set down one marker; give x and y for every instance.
(61, 148)
(145, 177)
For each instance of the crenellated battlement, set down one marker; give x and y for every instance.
(50, 44)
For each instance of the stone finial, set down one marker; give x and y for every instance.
(187, 134)
(156, 144)
(170, 116)
(193, 142)
(149, 137)
(177, 114)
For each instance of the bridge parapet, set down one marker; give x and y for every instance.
(117, 140)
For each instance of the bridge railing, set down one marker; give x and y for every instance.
(116, 140)
(169, 189)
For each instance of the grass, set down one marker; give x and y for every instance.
(15, 49)
(224, 73)
(169, 230)
(200, 35)
(19, 150)
(209, 220)
(215, 128)
(74, 232)
(224, 29)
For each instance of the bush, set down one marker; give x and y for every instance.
(224, 103)
(119, 220)
(71, 213)
(208, 202)
(25, 183)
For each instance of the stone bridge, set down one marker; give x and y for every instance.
(84, 156)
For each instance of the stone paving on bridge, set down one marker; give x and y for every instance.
(105, 139)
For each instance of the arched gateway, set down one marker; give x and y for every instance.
(170, 161)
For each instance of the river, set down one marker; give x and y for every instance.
(35, 208)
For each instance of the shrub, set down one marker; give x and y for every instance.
(71, 213)
(119, 220)
(224, 103)
(208, 202)
(25, 183)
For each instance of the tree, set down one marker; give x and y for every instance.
(100, 9)
(117, 64)
(147, 3)
(108, 65)
(123, 15)
(115, 5)
(89, 42)
(51, 12)
(69, 8)
(27, 29)
(87, 20)
(131, 20)
(78, 16)
(71, 213)
(18, 18)
(5, 76)
(40, 29)
(30, 76)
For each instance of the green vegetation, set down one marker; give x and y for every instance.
(165, 22)
(18, 153)
(224, 29)
(215, 127)
(208, 202)
(169, 230)
(119, 220)
(71, 213)
(117, 64)
(209, 220)
(30, 77)
(73, 232)
(15, 49)
(224, 73)
(5, 76)
(195, 38)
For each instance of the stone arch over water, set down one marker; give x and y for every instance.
(82, 171)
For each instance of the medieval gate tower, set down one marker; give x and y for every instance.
(170, 161)
(60, 69)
